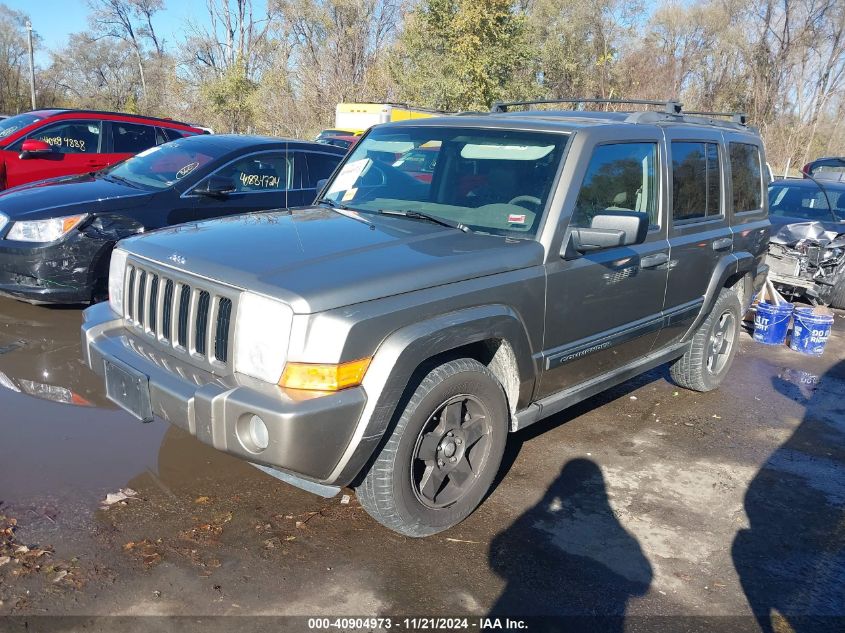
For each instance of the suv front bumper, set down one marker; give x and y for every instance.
(308, 432)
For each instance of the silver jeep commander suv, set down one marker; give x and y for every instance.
(458, 279)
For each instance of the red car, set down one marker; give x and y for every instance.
(48, 143)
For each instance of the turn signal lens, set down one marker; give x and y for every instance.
(324, 377)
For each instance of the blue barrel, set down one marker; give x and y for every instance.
(771, 323)
(810, 331)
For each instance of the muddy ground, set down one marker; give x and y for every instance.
(644, 501)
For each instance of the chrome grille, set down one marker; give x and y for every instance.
(188, 316)
(202, 322)
(221, 341)
(167, 312)
(184, 308)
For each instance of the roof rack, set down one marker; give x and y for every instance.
(736, 117)
(670, 107)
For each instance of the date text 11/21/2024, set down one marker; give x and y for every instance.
(417, 624)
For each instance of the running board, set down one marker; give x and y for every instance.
(564, 399)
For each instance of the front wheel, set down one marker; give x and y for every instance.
(442, 456)
(713, 347)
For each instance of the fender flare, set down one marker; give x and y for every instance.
(401, 354)
(728, 266)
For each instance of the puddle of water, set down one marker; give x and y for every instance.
(40, 355)
(64, 444)
(806, 382)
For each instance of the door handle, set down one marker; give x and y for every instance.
(653, 261)
(722, 243)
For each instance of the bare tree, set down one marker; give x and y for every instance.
(13, 60)
(232, 34)
(131, 22)
(333, 50)
(95, 73)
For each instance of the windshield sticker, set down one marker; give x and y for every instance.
(8, 130)
(348, 175)
(263, 181)
(516, 218)
(187, 169)
(505, 152)
(350, 193)
(60, 141)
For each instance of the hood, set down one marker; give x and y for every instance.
(316, 259)
(778, 222)
(815, 232)
(68, 196)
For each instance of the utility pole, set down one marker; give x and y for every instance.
(31, 64)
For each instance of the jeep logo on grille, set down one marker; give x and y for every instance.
(176, 258)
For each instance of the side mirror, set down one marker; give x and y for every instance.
(34, 147)
(321, 183)
(216, 187)
(611, 229)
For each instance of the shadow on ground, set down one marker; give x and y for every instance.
(791, 560)
(563, 553)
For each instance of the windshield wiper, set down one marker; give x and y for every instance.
(420, 215)
(339, 207)
(333, 204)
(122, 180)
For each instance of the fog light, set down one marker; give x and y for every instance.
(258, 433)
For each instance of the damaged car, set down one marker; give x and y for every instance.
(806, 256)
(56, 236)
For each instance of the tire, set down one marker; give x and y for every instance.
(410, 487)
(837, 295)
(702, 367)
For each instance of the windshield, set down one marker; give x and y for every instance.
(162, 166)
(806, 203)
(492, 181)
(14, 123)
(828, 165)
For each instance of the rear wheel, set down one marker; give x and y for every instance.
(443, 455)
(713, 347)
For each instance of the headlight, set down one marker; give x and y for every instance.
(4, 219)
(262, 332)
(117, 274)
(43, 230)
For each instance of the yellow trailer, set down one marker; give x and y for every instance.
(358, 117)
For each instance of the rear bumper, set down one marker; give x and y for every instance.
(308, 433)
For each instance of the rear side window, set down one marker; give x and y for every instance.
(71, 137)
(696, 183)
(172, 134)
(130, 138)
(620, 177)
(746, 177)
(320, 166)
